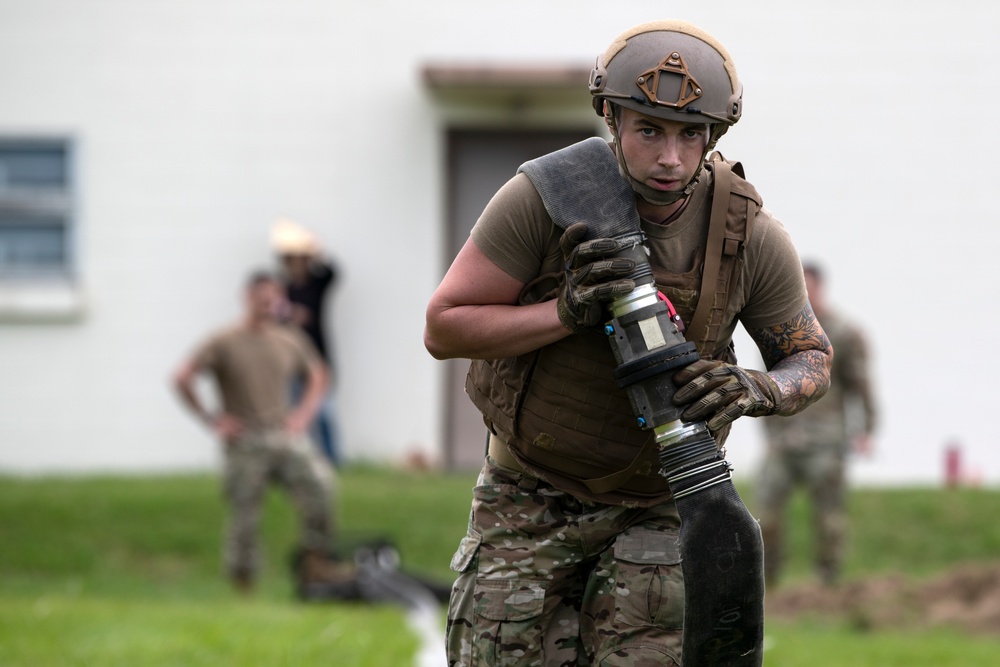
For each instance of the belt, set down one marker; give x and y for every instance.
(500, 454)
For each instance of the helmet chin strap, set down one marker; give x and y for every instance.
(652, 195)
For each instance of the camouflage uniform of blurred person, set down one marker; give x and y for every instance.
(811, 449)
(264, 437)
(571, 555)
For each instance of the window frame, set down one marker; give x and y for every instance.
(41, 205)
(44, 293)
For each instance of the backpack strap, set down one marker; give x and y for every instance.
(723, 253)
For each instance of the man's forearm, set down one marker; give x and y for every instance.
(802, 379)
(798, 356)
(492, 331)
(869, 408)
(312, 397)
(184, 384)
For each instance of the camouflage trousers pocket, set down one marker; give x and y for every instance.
(509, 624)
(465, 556)
(649, 582)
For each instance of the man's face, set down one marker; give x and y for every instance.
(814, 288)
(663, 154)
(263, 299)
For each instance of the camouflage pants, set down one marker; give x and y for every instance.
(820, 469)
(550, 581)
(251, 463)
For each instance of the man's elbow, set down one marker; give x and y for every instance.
(824, 373)
(828, 354)
(435, 340)
(433, 345)
(182, 379)
(319, 376)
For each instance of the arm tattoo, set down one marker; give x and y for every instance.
(797, 354)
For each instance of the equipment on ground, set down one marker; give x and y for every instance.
(371, 574)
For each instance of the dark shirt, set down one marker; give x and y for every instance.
(311, 295)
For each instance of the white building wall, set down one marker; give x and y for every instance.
(197, 122)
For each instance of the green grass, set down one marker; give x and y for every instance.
(61, 630)
(812, 645)
(125, 571)
(140, 536)
(918, 531)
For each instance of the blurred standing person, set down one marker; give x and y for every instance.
(309, 278)
(264, 436)
(810, 449)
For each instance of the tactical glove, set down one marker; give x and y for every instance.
(593, 278)
(719, 393)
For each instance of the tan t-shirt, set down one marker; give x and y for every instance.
(254, 370)
(517, 234)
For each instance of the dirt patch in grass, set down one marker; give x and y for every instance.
(966, 597)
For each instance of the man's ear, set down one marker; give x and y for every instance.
(608, 116)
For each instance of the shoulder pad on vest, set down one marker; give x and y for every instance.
(581, 183)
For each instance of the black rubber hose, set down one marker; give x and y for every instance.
(722, 557)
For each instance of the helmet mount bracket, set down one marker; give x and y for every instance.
(669, 84)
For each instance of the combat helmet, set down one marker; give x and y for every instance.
(669, 69)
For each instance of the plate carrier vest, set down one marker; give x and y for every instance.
(559, 409)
